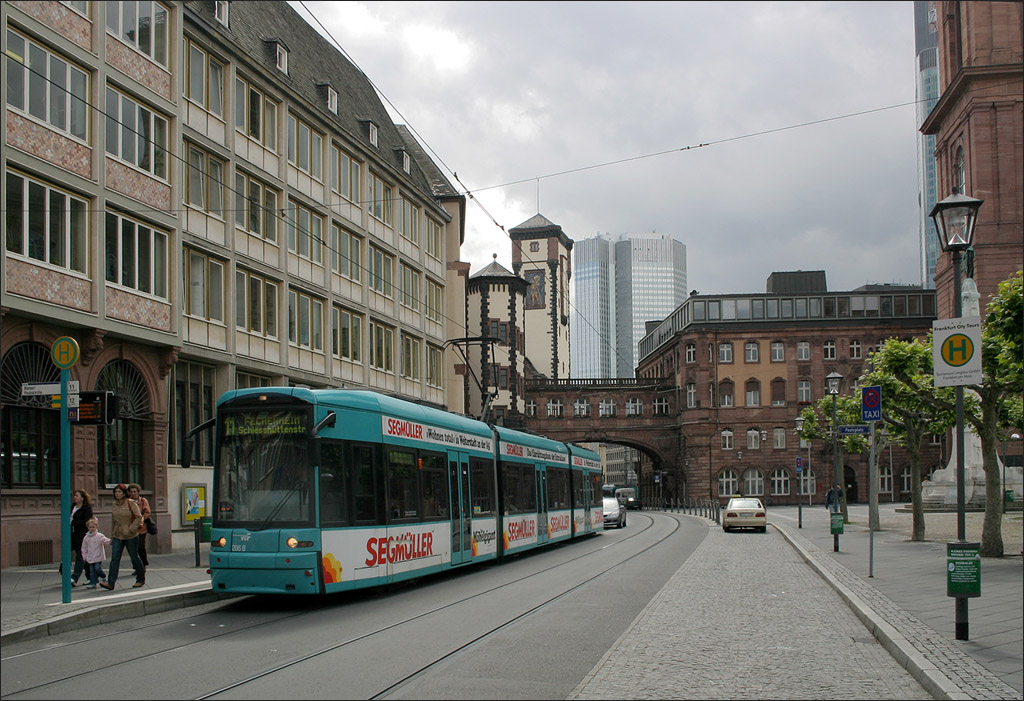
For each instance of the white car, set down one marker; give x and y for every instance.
(614, 512)
(744, 512)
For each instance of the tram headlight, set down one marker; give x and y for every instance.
(293, 542)
(221, 542)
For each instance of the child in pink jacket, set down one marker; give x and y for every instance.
(92, 552)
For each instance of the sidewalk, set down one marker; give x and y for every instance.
(905, 604)
(31, 597)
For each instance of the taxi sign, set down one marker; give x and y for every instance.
(871, 403)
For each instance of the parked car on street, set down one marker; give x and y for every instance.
(744, 512)
(614, 512)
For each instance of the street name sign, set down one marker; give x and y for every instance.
(956, 351)
(856, 430)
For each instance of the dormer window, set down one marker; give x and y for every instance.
(406, 162)
(373, 134)
(281, 57)
(332, 99)
(220, 11)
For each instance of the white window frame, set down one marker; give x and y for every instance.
(56, 93)
(828, 350)
(555, 409)
(660, 406)
(691, 352)
(725, 352)
(753, 482)
(855, 349)
(691, 395)
(727, 399)
(373, 134)
(531, 407)
(211, 74)
(382, 267)
(409, 224)
(753, 439)
(305, 232)
(779, 438)
(332, 99)
(803, 350)
(220, 11)
(380, 200)
(634, 406)
(305, 148)
(435, 366)
(204, 180)
(131, 230)
(803, 391)
(434, 239)
(156, 47)
(281, 57)
(884, 479)
(778, 350)
(381, 346)
(752, 396)
(346, 253)
(345, 174)
(779, 482)
(433, 304)
(410, 292)
(727, 439)
(606, 408)
(751, 352)
(62, 240)
(580, 408)
(121, 130)
(411, 357)
(346, 334)
(728, 482)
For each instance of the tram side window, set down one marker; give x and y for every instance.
(435, 486)
(519, 487)
(334, 508)
(596, 496)
(403, 485)
(481, 474)
(578, 480)
(365, 488)
(558, 488)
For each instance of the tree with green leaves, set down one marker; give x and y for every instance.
(903, 369)
(818, 424)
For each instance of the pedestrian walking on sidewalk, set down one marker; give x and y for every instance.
(135, 494)
(81, 512)
(833, 499)
(92, 551)
(125, 519)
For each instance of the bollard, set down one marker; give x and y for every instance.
(197, 530)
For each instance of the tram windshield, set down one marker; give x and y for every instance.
(263, 476)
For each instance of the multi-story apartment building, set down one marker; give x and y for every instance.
(205, 195)
(746, 365)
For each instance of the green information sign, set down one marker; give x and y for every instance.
(963, 570)
(837, 524)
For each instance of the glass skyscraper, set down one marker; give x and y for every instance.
(926, 40)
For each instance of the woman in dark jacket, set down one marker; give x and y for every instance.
(81, 512)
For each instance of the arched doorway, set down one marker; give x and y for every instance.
(850, 485)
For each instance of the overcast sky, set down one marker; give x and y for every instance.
(515, 96)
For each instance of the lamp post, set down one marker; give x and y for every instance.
(955, 218)
(800, 474)
(833, 381)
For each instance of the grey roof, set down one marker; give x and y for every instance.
(440, 185)
(537, 221)
(493, 269)
(313, 63)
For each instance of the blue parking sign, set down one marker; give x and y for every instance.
(871, 404)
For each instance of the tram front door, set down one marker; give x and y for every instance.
(461, 512)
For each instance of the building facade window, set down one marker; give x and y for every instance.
(410, 288)
(779, 438)
(727, 483)
(828, 350)
(305, 232)
(434, 240)
(725, 393)
(194, 397)
(434, 302)
(885, 479)
(634, 406)
(531, 407)
(346, 334)
(204, 285)
(780, 482)
(803, 350)
(435, 366)
(691, 352)
(778, 352)
(381, 271)
(606, 407)
(660, 406)
(220, 11)
(255, 303)
(346, 253)
(344, 174)
(581, 408)
(136, 255)
(255, 114)
(380, 200)
(204, 79)
(808, 482)
(778, 388)
(803, 391)
(120, 443)
(691, 395)
(751, 352)
(753, 393)
(305, 147)
(47, 224)
(204, 186)
(136, 134)
(725, 352)
(855, 350)
(305, 320)
(29, 427)
(410, 357)
(142, 24)
(753, 439)
(753, 483)
(727, 439)
(409, 225)
(46, 86)
(382, 340)
(281, 57)
(555, 409)
(255, 206)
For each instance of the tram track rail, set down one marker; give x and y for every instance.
(69, 647)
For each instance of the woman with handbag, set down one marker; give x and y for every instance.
(135, 494)
(125, 519)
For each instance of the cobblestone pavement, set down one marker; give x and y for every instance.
(746, 617)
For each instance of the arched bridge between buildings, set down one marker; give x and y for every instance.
(640, 413)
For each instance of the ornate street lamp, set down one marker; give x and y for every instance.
(764, 462)
(806, 470)
(833, 381)
(955, 218)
